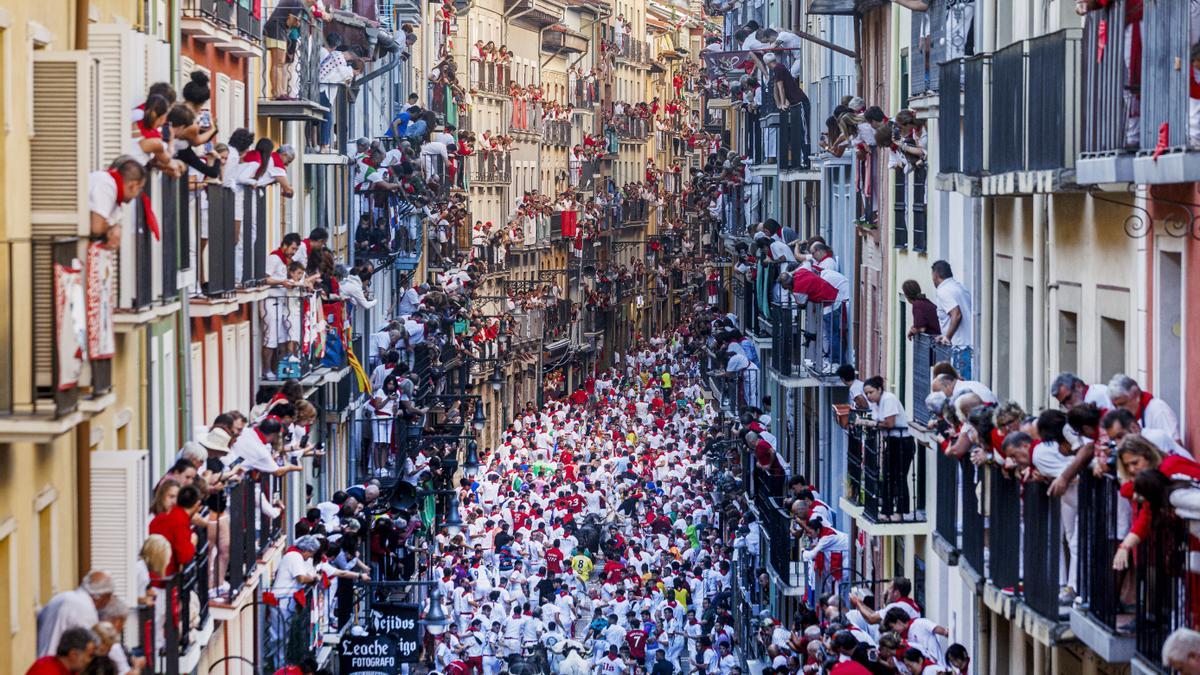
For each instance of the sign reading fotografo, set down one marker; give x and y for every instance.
(400, 622)
(368, 655)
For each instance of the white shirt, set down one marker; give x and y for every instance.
(781, 251)
(102, 197)
(276, 269)
(856, 390)
(69, 609)
(1049, 462)
(1158, 415)
(254, 453)
(1098, 394)
(1165, 442)
(291, 565)
(889, 406)
(949, 295)
(840, 282)
(977, 388)
(921, 636)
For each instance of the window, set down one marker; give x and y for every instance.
(1112, 347)
(1169, 337)
(1068, 342)
(47, 549)
(1003, 334)
(1029, 347)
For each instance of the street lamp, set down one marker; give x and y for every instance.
(470, 467)
(452, 522)
(436, 620)
(478, 422)
(497, 380)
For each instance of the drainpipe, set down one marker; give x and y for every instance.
(82, 9)
(1040, 216)
(985, 285)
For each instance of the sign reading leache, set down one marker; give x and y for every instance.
(399, 621)
(373, 654)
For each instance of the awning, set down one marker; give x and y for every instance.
(844, 7)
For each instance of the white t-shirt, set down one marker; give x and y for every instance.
(1165, 442)
(840, 282)
(1097, 394)
(1049, 461)
(951, 294)
(102, 197)
(781, 251)
(977, 388)
(856, 390)
(889, 406)
(291, 565)
(255, 453)
(921, 635)
(1158, 415)
(276, 269)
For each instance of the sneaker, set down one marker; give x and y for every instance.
(1128, 627)
(270, 376)
(1066, 596)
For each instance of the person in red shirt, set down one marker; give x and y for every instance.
(554, 558)
(636, 639)
(808, 286)
(176, 526)
(76, 649)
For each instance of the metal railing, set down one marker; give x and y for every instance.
(556, 132)
(292, 327)
(794, 148)
(491, 77)
(631, 128)
(926, 352)
(946, 495)
(1098, 540)
(950, 117)
(1004, 529)
(971, 511)
(1053, 97)
(1007, 124)
(1106, 96)
(584, 94)
(806, 340)
(893, 482)
(493, 167)
(1043, 548)
(974, 108)
(1166, 587)
(1166, 73)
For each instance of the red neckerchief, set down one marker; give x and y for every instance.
(262, 438)
(279, 252)
(911, 603)
(148, 132)
(147, 207)
(1142, 403)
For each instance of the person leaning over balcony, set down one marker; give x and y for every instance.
(921, 634)
(150, 148)
(953, 386)
(898, 597)
(1136, 454)
(116, 613)
(1069, 390)
(924, 312)
(1166, 496)
(77, 608)
(293, 576)
(72, 653)
(1150, 412)
(254, 449)
(276, 34)
(899, 448)
(108, 192)
(1181, 651)
(954, 315)
(176, 526)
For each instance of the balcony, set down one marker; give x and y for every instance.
(389, 230)
(1100, 612)
(1108, 135)
(562, 40)
(297, 97)
(781, 548)
(631, 211)
(885, 488)
(631, 129)
(584, 96)
(493, 168)
(491, 77)
(556, 132)
(535, 14)
(807, 341)
(1034, 152)
(1165, 99)
(148, 261)
(231, 28)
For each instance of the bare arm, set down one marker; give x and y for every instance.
(1082, 458)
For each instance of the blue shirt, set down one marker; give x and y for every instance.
(403, 118)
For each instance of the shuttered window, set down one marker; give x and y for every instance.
(120, 493)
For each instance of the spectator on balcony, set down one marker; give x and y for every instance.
(898, 598)
(954, 316)
(315, 241)
(1058, 456)
(920, 634)
(149, 147)
(334, 72)
(1069, 390)
(806, 286)
(786, 90)
(953, 386)
(108, 192)
(280, 29)
(1150, 412)
(924, 312)
(281, 327)
(1181, 651)
(1120, 423)
(78, 608)
(292, 578)
(73, 651)
(898, 451)
(175, 526)
(1136, 454)
(254, 448)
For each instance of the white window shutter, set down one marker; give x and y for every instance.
(186, 66)
(61, 147)
(158, 61)
(221, 105)
(120, 486)
(238, 105)
(119, 52)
